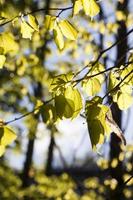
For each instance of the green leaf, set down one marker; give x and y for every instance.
(58, 37)
(26, 30)
(7, 136)
(92, 86)
(48, 114)
(2, 60)
(96, 132)
(64, 107)
(33, 22)
(74, 96)
(68, 30)
(91, 8)
(58, 83)
(96, 121)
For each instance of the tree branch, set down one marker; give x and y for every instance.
(100, 55)
(38, 10)
(28, 113)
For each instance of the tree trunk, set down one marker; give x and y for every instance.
(115, 148)
(48, 169)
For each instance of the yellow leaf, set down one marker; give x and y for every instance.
(77, 7)
(92, 86)
(74, 96)
(91, 8)
(7, 43)
(58, 37)
(7, 136)
(26, 30)
(2, 60)
(33, 22)
(68, 30)
(50, 22)
(124, 100)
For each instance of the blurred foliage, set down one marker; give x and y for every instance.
(64, 186)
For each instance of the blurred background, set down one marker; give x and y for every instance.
(56, 162)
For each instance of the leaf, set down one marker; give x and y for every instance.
(60, 81)
(64, 107)
(74, 96)
(91, 8)
(92, 86)
(2, 60)
(50, 22)
(7, 136)
(33, 22)
(96, 132)
(114, 127)
(77, 7)
(68, 30)
(26, 30)
(7, 43)
(96, 121)
(124, 100)
(48, 114)
(58, 37)
(125, 72)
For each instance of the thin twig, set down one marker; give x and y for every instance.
(129, 179)
(100, 55)
(38, 10)
(28, 113)
(118, 85)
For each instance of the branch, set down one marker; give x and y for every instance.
(28, 113)
(118, 85)
(102, 72)
(128, 180)
(38, 10)
(100, 55)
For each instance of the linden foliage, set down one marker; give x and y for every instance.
(22, 43)
(63, 186)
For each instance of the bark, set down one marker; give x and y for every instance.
(115, 148)
(48, 169)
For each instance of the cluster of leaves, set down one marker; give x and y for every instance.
(63, 186)
(67, 101)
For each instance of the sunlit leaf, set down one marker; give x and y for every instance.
(124, 100)
(92, 86)
(50, 22)
(58, 37)
(96, 121)
(26, 30)
(77, 6)
(74, 95)
(7, 43)
(91, 8)
(33, 22)
(7, 136)
(68, 30)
